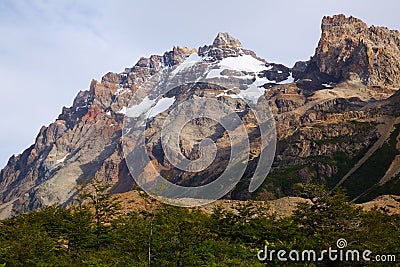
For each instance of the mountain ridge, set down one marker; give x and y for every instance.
(332, 89)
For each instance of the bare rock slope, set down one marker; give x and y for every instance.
(336, 115)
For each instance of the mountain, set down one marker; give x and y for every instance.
(347, 46)
(336, 117)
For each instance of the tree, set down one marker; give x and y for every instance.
(79, 230)
(327, 217)
(105, 207)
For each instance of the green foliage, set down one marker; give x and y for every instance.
(367, 177)
(105, 206)
(283, 181)
(280, 182)
(172, 236)
(326, 217)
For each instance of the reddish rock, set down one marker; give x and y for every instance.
(347, 45)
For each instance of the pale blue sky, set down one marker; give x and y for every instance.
(49, 50)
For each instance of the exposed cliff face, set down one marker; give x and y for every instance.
(347, 45)
(329, 121)
(84, 142)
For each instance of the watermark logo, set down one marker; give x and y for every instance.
(174, 92)
(341, 243)
(331, 254)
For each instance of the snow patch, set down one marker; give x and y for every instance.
(214, 73)
(228, 95)
(137, 110)
(122, 111)
(146, 107)
(121, 91)
(244, 63)
(61, 160)
(189, 61)
(252, 93)
(327, 85)
(162, 105)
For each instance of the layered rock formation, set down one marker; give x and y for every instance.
(84, 142)
(336, 117)
(348, 46)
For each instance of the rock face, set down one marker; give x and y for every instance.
(223, 39)
(334, 125)
(84, 142)
(347, 45)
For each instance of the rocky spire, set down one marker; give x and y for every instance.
(224, 39)
(224, 45)
(348, 45)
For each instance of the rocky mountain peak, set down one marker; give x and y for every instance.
(224, 45)
(224, 39)
(347, 45)
(170, 58)
(321, 107)
(341, 21)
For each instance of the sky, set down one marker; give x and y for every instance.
(49, 50)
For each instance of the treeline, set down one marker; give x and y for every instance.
(96, 232)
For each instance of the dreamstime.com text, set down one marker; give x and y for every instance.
(330, 254)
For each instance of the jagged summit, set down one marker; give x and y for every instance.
(327, 106)
(340, 20)
(224, 39)
(347, 45)
(224, 45)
